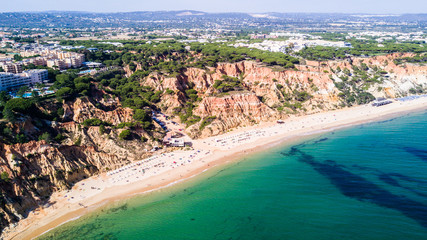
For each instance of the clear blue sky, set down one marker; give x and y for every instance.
(252, 6)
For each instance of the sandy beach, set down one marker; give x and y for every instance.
(166, 169)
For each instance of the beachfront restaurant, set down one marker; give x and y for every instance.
(177, 142)
(380, 102)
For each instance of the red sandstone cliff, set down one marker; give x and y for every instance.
(32, 171)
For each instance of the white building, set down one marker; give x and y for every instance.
(177, 142)
(5, 60)
(10, 80)
(37, 75)
(29, 77)
(380, 102)
(92, 64)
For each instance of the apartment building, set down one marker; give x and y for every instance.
(50, 58)
(38, 61)
(10, 81)
(10, 67)
(37, 75)
(57, 63)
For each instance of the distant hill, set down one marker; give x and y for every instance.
(191, 19)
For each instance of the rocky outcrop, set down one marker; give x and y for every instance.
(273, 90)
(264, 81)
(82, 109)
(235, 106)
(396, 80)
(240, 109)
(262, 97)
(32, 171)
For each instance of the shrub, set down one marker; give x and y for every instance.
(125, 135)
(5, 176)
(206, 122)
(101, 129)
(302, 96)
(63, 93)
(78, 142)
(21, 138)
(45, 136)
(190, 91)
(81, 87)
(60, 137)
(9, 115)
(94, 122)
(60, 112)
(141, 115)
(20, 105)
(168, 91)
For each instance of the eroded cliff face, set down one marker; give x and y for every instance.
(266, 95)
(32, 171)
(242, 109)
(82, 109)
(395, 81)
(270, 93)
(400, 78)
(36, 169)
(271, 84)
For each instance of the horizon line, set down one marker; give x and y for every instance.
(183, 10)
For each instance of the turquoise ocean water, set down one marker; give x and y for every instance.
(365, 182)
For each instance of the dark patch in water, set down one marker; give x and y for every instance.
(321, 140)
(386, 121)
(387, 178)
(363, 168)
(390, 178)
(417, 152)
(406, 178)
(217, 173)
(397, 175)
(294, 150)
(354, 186)
(117, 209)
(108, 236)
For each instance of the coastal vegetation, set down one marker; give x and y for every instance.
(419, 58)
(360, 48)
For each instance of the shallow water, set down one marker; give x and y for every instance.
(366, 182)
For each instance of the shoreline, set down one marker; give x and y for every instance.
(218, 151)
